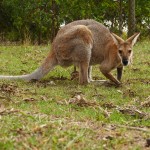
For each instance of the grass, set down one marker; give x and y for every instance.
(48, 115)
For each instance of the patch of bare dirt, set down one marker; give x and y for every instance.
(9, 88)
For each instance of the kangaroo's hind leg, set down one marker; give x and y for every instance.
(75, 74)
(83, 72)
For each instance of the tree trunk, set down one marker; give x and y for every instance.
(131, 18)
(55, 24)
(120, 17)
(39, 36)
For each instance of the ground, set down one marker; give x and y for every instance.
(58, 113)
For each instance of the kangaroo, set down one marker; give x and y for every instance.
(84, 43)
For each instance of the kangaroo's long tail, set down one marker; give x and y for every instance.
(49, 63)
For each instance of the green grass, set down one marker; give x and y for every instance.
(39, 115)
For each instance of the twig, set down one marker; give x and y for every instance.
(105, 113)
(133, 128)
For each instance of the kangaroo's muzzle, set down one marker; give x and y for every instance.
(125, 62)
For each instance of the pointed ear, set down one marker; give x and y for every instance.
(116, 38)
(133, 38)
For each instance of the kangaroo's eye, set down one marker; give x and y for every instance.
(129, 51)
(120, 51)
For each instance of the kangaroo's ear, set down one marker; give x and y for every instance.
(116, 38)
(133, 38)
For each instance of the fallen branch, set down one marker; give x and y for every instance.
(134, 128)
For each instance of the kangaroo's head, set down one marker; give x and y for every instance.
(125, 47)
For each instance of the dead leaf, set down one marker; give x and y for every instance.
(20, 131)
(109, 105)
(29, 99)
(146, 103)
(51, 83)
(5, 111)
(119, 91)
(39, 128)
(80, 101)
(44, 98)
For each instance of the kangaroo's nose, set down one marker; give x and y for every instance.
(125, 62)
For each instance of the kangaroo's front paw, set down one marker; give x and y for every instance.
(118, 84)
(110, 84)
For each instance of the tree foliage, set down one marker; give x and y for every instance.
(39, 20)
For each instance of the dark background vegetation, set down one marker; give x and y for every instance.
(37, 21)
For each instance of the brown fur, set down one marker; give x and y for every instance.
(84, 43)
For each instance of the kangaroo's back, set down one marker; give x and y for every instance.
(99, 31)
(101, 37)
